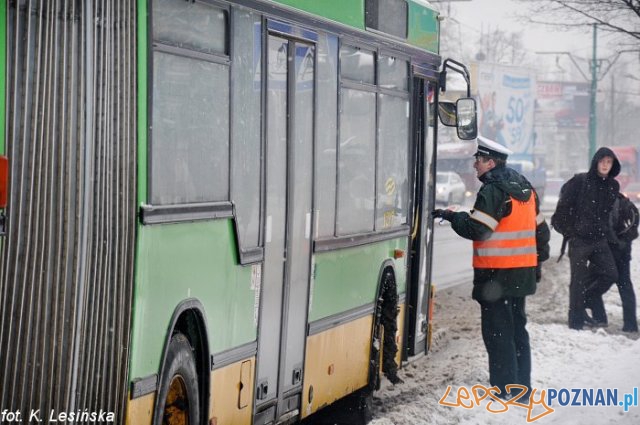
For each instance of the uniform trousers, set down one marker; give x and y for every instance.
(507, 342)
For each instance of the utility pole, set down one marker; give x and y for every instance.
(594, 88)
(596, 74)
(612, 114)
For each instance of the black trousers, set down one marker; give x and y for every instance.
(507, 342)
(595, 291)
(627, 295)
(590, 261)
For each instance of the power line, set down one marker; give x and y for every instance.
(620, 92)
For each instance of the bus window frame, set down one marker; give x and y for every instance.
(184, 211)
(377, 90)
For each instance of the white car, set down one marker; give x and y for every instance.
(450, 188)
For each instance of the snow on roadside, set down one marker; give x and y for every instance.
(562, 358)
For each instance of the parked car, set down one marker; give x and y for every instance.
(450, 188)
(632, 191)
(551, 194)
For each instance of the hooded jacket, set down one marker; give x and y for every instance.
(493, 202)
(586, 201)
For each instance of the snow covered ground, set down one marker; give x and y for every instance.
(603, 358)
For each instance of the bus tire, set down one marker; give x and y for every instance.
(362, 405)
(354, 409)
(386, 315)
(178, 402)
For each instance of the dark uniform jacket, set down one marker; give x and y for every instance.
(586, 201)
(494, 199)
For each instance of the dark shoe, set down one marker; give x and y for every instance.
(593, 323)
(395, 379)
(629, 329)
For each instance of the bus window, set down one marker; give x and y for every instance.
(394, 73)
(190, 118)
(356, 162)
(357, 64)
(246, 143)
(190, 25)
(190, 122)
(325, 159)
(393, 146)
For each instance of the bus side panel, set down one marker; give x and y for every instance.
(189, 261)
(232, 392)
(348, 278)
(349, 12)
(337, 361)
(140, 410)
(336, 364)
(423, 28)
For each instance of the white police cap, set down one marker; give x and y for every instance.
(488, 147)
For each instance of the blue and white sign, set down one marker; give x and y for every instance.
(506, 98)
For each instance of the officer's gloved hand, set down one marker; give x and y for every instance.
(443, 214)
(538, 273)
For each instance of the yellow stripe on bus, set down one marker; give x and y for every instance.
(232, 393)
(140, 410)
(337, 364)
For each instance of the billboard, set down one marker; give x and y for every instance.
(506, 98)
(563, 104)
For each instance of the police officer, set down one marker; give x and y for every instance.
(510, 239)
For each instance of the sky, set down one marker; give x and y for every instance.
(476, 15)
(471, 18)
(603, 358)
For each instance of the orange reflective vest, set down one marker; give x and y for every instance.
(513, 242)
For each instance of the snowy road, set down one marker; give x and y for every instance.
(451, 258)
(562, 358)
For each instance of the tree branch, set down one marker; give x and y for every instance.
(610, 15)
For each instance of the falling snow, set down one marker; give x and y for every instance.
(562, 358)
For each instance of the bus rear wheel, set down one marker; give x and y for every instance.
(178, 401)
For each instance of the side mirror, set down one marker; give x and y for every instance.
(462, 115)
(467, 119)
(447, 113)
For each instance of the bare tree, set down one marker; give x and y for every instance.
(502, 47)
(620, 104)
(616, 16)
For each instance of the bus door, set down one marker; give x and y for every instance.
(282, 324)
(419, 290)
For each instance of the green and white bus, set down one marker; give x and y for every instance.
(214, 212)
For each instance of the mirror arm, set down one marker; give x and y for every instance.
(456, 67)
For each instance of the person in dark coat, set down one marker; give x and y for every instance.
(582, 216)
(511, 238)
(624, 229)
